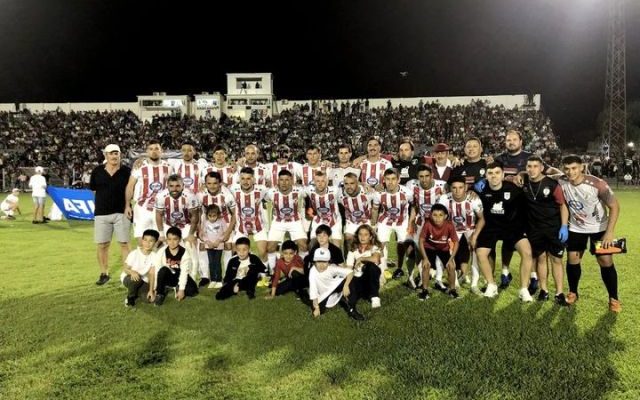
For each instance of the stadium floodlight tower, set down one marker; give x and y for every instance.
(249, 94)
(615, 134)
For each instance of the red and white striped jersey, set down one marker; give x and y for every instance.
(372, 173)
(249, 215)
(308, 173)
(423, 199)
(176, 211)
(394, 207)
(325, 205)
(189, 172)
(587, 213)
(357, 209)
(227, 172)
(224, 199)
(463, 214)
(285, 207)
(151, 179)
(260, 174)
(275, 168)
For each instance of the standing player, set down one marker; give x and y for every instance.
(465, 213)
(441, 165)
(502, 203)
(424, 193)
(216, 193)
(287, 216)
(282, 163)
(324, 202)
(178, 207)
(220, 165)
(189, 169)
(390, 214)
(144, 184)
(251, 154)
(474, 166)
(407, 162)
(250, 215)
(593, 213)
(307, 175)
(547, 217)
(343, 167)
(374, 167)
(357, 207)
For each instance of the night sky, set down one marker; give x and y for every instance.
(89, 50)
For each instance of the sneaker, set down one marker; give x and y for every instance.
(104, 278)
(354, 314)
(375, 302)
(204, 282)
(130, 301)
(215, 285)
(505, 280)
(398, 273)
(159, 299)
(543, 295)
(476, 290)
(453, 294)
(572, 298)
(424, 295)
(560, 300)
(251, 295)
(615, 306)
(440, 286)
(533, 286)
(525, 296)
(491, 291)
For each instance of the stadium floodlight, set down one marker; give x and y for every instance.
(631, 145)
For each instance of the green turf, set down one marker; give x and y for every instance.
(63, 337)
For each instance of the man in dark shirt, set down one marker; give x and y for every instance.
(474, 166)
(407, 162)
(108, 183)
(502, 203)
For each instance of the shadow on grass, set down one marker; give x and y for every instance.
(467, 348)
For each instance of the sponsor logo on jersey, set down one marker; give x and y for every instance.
(155, 186)
(497, 208)
(394, 210)
(458, 219)
(247, 211)
(425, 207)
(357, 213)
(177, 215)
(187, 180)
(372, 181)
(576, 205)
(286, 210)
(323, 210)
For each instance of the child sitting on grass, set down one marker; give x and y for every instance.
(138, 266)
(364, 259)
(242, 272)
(290, 267)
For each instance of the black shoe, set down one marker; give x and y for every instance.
(104, 278)
(398, 273)
(130, 301)
(35, 222)
(561, 300)
(424, 295)
(204, 282)
(440, 286)
(533, 286)
(251, 295)
(45, 219)
(159, 299)
(453, 294)
(505, 280)
(354, 314)
(543, 295)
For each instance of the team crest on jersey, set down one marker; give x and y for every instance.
(155, 186)
(394, 210)
(482, 171)
(188, 180)
(177, 215)
(372, 181)
(507, 195)
(247, 211)
(546, 192)
(323, 210)
(286, 210)
(576, 205)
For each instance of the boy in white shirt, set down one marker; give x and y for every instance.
(139, 264)
(328, 283)
(38, 185)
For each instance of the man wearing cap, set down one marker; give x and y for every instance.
(10, 205)
(38, 185)
(109, 182)
(441, 165)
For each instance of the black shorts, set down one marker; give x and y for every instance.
(463, 254)
(578, 241)
(488, 239)
(545, 240)
(444, 256)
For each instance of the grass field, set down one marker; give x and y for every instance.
(63, 337)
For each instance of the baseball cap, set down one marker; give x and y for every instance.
(111, 147)
(321, 255)
(441, 147)
(39, 170)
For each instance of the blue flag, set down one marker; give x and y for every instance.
(74, 203)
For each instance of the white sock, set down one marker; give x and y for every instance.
(534, 275)
(272, 258)
(505, 270)
(475, 271)
(384, 258)
(204, 264)
(439, 270)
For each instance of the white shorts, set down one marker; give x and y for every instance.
(384, 232)
(278, 230)
(350, 228)
(336, 230)
(415, 238)
(38, 200)
(143, 219)
(257, 237)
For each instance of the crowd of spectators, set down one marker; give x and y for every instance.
(69, 144)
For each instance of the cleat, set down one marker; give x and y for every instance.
(533, 286)
(354, 314)
(543, 295)
(159, 299)
(615, 306)
(104, 278)
(440, 286)
(375, 302)
(572, 298)
(491, 291)
(453, 294)
(560, 300)
(398, 273)
(525, 296)
(130, 302)
(424, 295)
(505, 280)
(204, 282)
